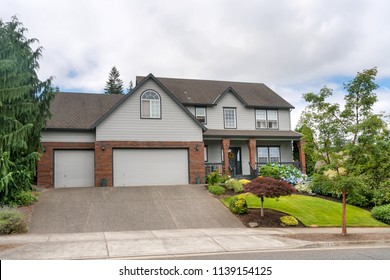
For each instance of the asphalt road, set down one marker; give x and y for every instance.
(332, 253)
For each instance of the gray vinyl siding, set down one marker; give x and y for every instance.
(284, 120)
(245, 116)
(67, 136)
(125, 123)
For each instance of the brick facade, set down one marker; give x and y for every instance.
(104, 158)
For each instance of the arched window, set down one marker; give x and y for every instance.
(150, 105)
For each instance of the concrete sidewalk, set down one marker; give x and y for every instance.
(138, 244)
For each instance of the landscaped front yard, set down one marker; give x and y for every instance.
(313, 210)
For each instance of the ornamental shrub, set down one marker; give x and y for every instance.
(235, 185)
(289, 221)
(244, 181)
(268, 187)
(381, 213)
(214, 178)
(216, 190)
(238, 205)
(304, 187)
(23, 198)
(11, 221)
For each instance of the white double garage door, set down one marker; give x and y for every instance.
(131, 167)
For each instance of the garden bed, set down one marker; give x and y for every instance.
(271, 218)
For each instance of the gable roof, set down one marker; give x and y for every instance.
(209, 92)
(144, 80)
(79, 111)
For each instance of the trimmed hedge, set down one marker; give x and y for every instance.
(381, 213)
(11, 221)
(289, 221)
(238, 205)
(216, 190)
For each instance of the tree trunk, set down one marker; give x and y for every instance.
(262, 207)
(344, 215)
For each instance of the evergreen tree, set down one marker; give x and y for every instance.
(130, 86)
(114, 85)
(24, 107)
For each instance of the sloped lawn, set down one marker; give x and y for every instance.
(313, 210)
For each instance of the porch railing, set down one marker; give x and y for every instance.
(212, 166)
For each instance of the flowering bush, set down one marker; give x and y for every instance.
(234, 184)
(288, 173)
(304, 187)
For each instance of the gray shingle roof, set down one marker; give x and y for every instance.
(207, 92)
(288, 134)
(79, 110)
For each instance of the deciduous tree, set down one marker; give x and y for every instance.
(343, 138)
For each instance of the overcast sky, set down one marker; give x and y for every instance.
(294, 47)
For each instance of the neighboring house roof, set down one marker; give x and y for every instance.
(288, 134)
(79, 111)
(208, 92)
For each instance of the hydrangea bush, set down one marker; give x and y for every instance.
(286, 172)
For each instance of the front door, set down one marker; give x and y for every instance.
(235, 160)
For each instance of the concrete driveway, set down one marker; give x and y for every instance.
(71, 210)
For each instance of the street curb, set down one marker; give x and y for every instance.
(328, 244)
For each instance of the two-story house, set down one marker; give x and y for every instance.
(165, 131)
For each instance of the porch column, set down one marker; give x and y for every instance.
(225, 147)
(302, 157)
(252, 152)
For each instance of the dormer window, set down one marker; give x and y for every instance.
(200, 114)
(150, 105)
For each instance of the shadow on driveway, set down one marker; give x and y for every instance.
(70, 210)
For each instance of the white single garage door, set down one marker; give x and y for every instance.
(142, 167)
(74, 168)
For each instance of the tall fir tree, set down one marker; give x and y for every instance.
(130, 86)
(24, 108)
(114, 85)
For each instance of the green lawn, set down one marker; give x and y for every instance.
(314, 211)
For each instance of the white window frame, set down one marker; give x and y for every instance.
(202, 118)
(273, 123)
(226, 121)
(206, 154)
(154, 105)
(266, 119)
(269, 156)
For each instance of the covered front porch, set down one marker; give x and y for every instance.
(241, 156)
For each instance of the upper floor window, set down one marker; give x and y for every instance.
(200, 114)
(150, 105)
(230, 117)
(267, 119)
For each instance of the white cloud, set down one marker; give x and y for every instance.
(292, 46)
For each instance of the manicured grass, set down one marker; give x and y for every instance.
(314, 211)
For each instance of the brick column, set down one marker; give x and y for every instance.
(302, 157)
(225, 147)
(252, 152)
(103, 164)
